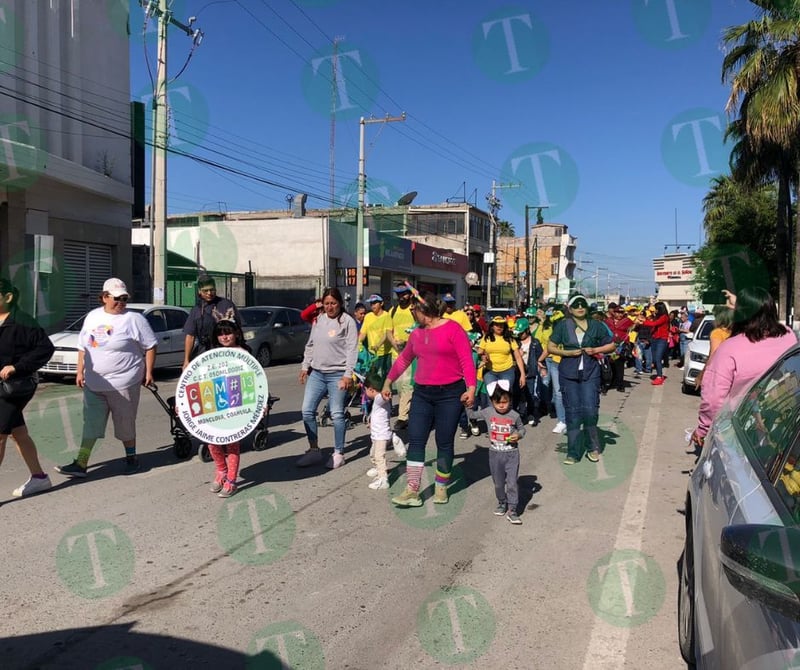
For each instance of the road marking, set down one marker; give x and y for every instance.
(608, 644)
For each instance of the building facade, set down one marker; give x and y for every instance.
(65, 153)
(674, 276)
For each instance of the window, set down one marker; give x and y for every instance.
(768, 422)
(176, 319)
(555, 251)
(157, 320)
(294, 318)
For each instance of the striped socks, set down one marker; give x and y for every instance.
(414, 474)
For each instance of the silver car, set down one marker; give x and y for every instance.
(274, 333)
(739, 586)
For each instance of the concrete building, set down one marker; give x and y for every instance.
(65, 153)
(674, 277)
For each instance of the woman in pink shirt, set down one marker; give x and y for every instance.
(444, 383)
(757, 340)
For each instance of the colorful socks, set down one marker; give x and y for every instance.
(414, 474)
(442, 478)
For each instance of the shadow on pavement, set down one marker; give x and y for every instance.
(117, 647)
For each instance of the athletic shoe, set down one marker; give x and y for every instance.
(399, 446)
(401, 424)
(216, 486)
(464, 434)
(131, 465)
(560, 428)
(658, 381)
(637, 374)
(335, 461)
(408, 498)
(593, 456)
(379, 483)
(513, 518)
(228, 490)
(72, 470)
(372, 473)
(501, 509)
(33, 485)
(311, 457)
(569, 461)
(474, 428)
(440, 494)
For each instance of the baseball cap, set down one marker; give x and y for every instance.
(115, 287)
(613, 305)
(498, 319)
(477, 308)
(374, 298)
(522, 325)
(448, 297)
(402, 289)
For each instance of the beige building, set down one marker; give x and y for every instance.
(65, 153)
(674, 277)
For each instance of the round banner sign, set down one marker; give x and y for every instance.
(221, 395)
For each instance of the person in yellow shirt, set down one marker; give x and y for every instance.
(402, 323)
(500, 354)
(549, 368)
(457, 315)
(375, 335)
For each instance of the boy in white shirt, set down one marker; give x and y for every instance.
(379, 431)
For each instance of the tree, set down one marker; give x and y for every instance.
(505, 229)
(763, 68)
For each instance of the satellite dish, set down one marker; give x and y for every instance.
(472, 278)
(407, 199)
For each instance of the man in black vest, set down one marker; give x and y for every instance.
(209, 309)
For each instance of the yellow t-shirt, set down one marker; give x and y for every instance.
(543, 335)
(402, 319)
(376, 328)
(500, 352)
(460, 317)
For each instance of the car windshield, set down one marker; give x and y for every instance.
(75, 326)
(255, 317)
(705, 331)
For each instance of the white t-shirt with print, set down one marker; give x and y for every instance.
(114, 346)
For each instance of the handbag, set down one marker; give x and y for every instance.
(17, 387)
(606, 373)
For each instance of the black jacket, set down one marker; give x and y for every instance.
(23, 343)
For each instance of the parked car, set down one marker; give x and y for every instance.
(165, 320)
(739, 574)
(274, 333)
(696, 354)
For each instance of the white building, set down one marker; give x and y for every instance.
(674, 277)
(65, 152)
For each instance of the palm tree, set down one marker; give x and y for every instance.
(763, 68)
(505, 229)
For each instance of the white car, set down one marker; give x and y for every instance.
(697, 354)
(166, 321)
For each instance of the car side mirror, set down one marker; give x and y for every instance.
(690, 336)
(279, 324)
(762, 562)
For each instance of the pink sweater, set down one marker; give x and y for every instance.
(733, 368)
(443, 355)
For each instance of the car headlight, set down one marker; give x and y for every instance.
(250, 335)
(697, 357)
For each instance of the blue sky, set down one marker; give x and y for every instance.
(610, 112)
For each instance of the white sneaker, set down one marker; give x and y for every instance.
(32, 486)
(560, 428)
(379, 483)
(400, 448)
(372, 473)
(335, 461)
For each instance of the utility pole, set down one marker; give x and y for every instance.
(528, 245)
(158, 209)
(362, 190)
(596, 281)
(494, 207)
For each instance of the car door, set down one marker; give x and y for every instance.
(176, 318)
(158, 322)
(300, 331)
(282, 335)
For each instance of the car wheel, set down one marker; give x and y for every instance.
(685, 388)
(205, 454)
(261, 440)
(264, 356)
(686, 634)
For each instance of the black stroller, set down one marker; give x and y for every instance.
(182, 440)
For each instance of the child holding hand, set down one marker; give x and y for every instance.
(505, 428)
(380, 431)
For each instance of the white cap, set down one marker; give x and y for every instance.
(115, 287)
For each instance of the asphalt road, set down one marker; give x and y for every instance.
(310, 569)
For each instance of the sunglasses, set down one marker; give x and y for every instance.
(580, 305)
(120, 298)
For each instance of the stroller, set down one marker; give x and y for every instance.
(182, 440)
(355, 394)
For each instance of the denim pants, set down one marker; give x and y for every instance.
(317, 385)
(659, 348)
(510, 375)
(645, 357)
(553, 382)
(582, 407)
(435, 408)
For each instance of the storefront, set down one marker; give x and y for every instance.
(440, 271)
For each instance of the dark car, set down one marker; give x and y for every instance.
(274, 333)
(739, 594)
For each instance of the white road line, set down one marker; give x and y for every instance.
(608, 644)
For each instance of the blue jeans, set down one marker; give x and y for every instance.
(645, 358)
(553, 382)
(582, 407)
(658, 349)
(317, 385)
(435, 408)
(684, 344)
(510, 375)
